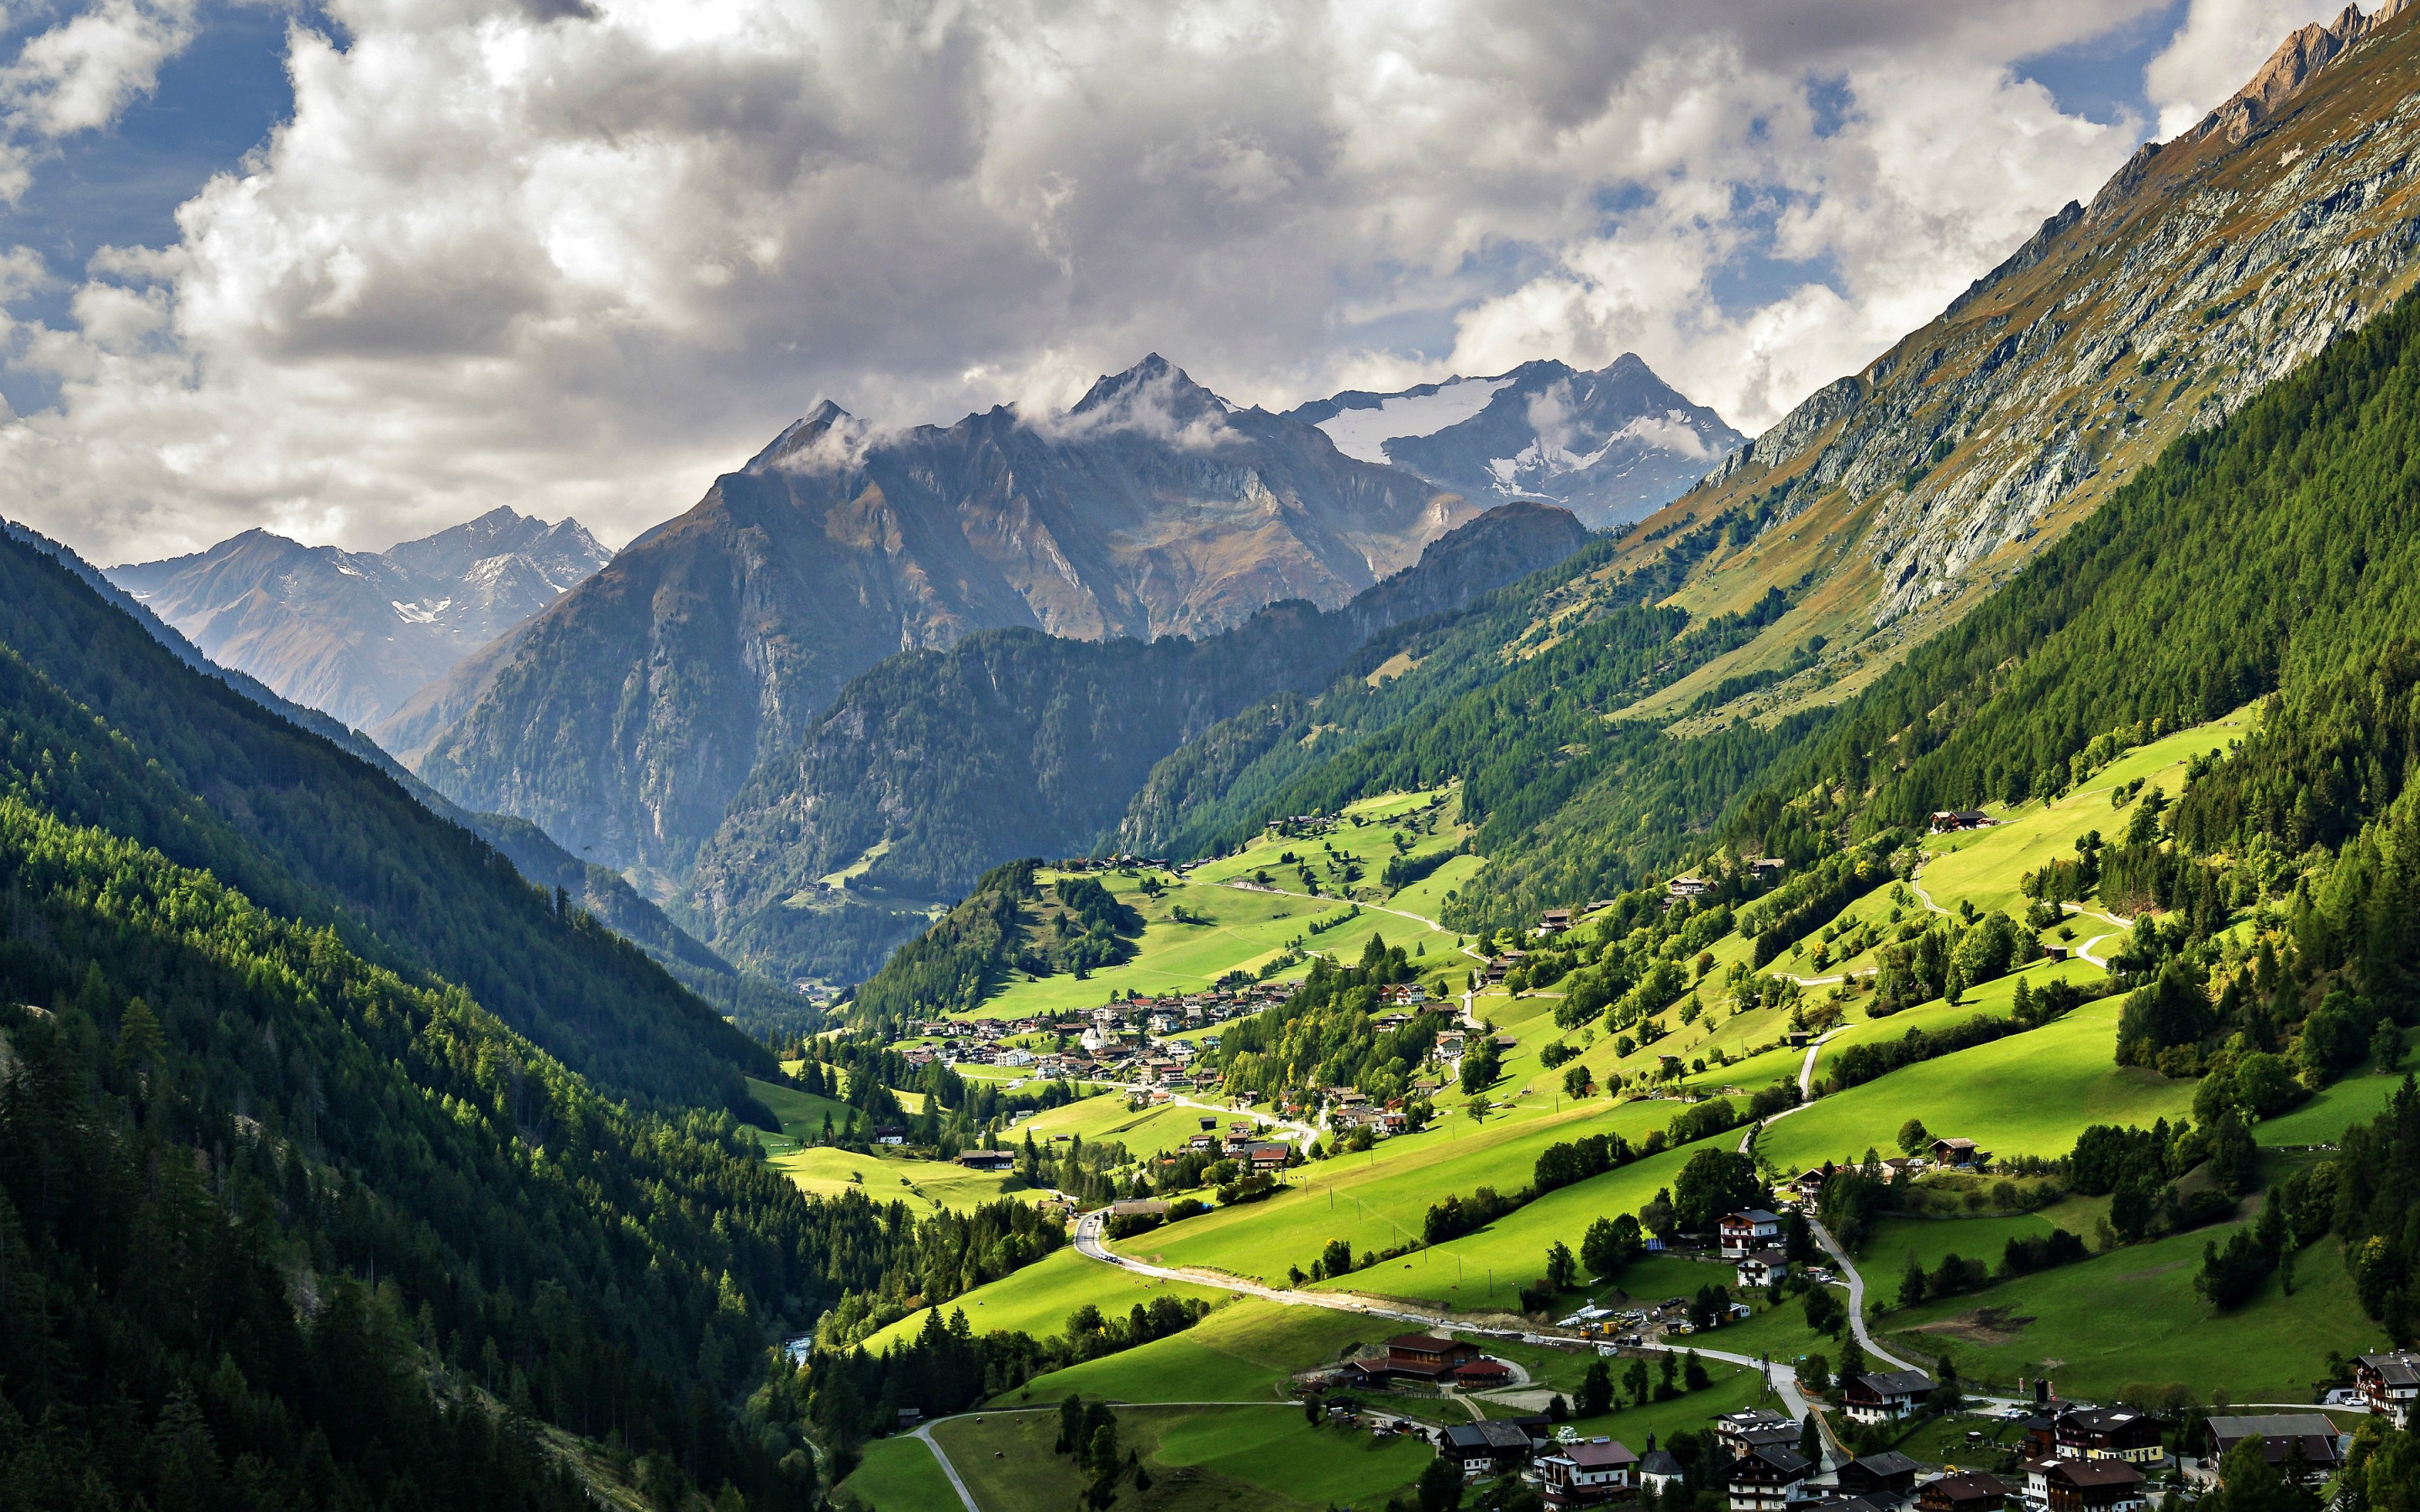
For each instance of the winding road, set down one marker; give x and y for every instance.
(1088, 1245)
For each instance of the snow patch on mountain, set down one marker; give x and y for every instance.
(1362, 430)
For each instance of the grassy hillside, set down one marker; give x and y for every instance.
(2028, 1094)
(1037, 1299)
(899, 1476)
(2131, 1315)
(1204, 1459)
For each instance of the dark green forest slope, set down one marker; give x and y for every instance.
(212, 781)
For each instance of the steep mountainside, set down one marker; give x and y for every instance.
(603, 892)
(354, 633)
(938, 765)
(1854, 535)
(113, 728)
(623, 720)
(2208, 268)
(1613, 445)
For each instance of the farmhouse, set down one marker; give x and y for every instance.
(2281, 1434)
(1487, 1448)
(1427, 1357)
(1688, 888)
(1890, 1474)
(1968, 1492)
(1481, 1374)
(1957, 1153)
(1948, 821)
(986, 1160)
(2392, 1383)
(1589, 1471)
(2095, 1486)
(1743, 1233)
(1764, 1268)
(2109, 1433)
(1766, 1479)
(1879, 1398)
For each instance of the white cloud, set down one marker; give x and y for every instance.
(2218, 49)
(81, 74)
(579, 263)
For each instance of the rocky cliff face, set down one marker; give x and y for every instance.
(625, 719)
(2208, 268)
(1612, 445)
(354, 633)
(937, 765)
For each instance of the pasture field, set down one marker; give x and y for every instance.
(1732, 1390)
(1482, 1271)
(802, 1113)
(1246, 928)
(2131, 1315)
(1209, 1458)
(1108, 1118)
(1037, 1299)
(1243, 1352)
(1983, 1237)
(900, 1476)
(2358, 1096)
(925, 1185)
(2029, 1093)
(1380, 1199)
(1983, 866)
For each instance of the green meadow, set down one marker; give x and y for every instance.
(1243, 928)
(924, 1185)
(1200, 1458)
(900, 1476)
(2030, 1093)
(2131, 1315)
(1038, 1299)
(1243, 1352)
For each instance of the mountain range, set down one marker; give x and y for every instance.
(934, 766)
(353, 634)
(623, 718)
(1612, 445)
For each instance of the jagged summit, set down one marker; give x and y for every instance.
(354, 633)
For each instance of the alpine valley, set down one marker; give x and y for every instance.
(1498, 945)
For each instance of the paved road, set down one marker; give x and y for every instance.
(924, 1431)
(1088, 1245)
(1856, 1298)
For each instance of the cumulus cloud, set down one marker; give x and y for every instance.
(80, 75)
(579, 258)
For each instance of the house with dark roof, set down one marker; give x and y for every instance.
(1890, 1475)
(1751, 1428)
(1958, 1153)
(1658, 1471)
(1586, 1472)
(1965, 1492)
(1488, 1448)
(1481, 1374)
(2392, 1383)
(1764, 1268)
(2109, 1433)
(2283, 1436)
(2096, 1486)
(1882, 1398)
(1767, 1479)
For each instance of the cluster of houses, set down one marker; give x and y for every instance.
(1132, 1041)
(1244, 1145)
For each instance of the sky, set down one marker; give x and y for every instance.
(354, 270)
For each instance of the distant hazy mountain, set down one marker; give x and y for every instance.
(1614, 446)
(625, 718)
(353, 634)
